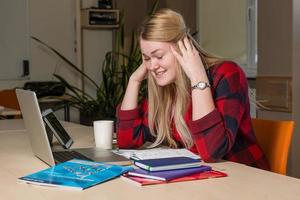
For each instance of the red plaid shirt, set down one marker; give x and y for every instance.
(225, 133)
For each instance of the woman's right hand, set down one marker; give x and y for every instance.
(139, 74)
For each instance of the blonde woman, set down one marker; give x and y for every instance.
(195, 100)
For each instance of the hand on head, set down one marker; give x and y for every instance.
(189, 59)
(140, 73)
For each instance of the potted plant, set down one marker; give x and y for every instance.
(116, 70)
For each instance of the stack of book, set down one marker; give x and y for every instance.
(169, 170)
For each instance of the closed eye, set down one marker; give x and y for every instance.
(146, 59)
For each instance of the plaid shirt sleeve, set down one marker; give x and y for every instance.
(227, 132)
(132, 127)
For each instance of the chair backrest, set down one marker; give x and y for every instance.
(274, 138)
(8, 98)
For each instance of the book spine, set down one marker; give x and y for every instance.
(147, 176)
(141, 165)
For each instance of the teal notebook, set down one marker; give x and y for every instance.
(75, 174)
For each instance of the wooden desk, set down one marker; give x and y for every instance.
(243, 182)
(12, 125)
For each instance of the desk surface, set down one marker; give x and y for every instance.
(243, 182)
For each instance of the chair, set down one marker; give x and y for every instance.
(274, 138)
(8, 98)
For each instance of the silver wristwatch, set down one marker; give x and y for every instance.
(201, 85)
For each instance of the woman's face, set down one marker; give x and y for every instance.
(159, 61)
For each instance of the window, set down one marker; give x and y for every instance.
(229, 29)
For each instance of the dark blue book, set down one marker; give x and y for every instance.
(168, 174)
(75, 174)
(160, 164)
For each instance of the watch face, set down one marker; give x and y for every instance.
(202, 85)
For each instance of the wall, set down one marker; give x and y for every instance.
(14, 40)
(275, 38)
(295, 155)
(53, 21)
(42, 19)
(132, 21)
(95, 43)
(14, 44)
(43, 24)
(278, 55)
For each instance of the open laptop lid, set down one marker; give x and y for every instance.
(35, 126)
(38, 136)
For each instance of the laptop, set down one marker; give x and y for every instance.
(39, 141)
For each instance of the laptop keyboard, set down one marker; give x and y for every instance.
(62, 156)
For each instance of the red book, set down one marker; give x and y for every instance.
(198, 176)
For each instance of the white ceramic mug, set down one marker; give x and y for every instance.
(103, 133)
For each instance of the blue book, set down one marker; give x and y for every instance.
(160, 164)
(168, 174)
(75, 174)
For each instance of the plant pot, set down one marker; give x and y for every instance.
(87, 119)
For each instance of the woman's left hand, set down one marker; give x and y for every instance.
(190, 60)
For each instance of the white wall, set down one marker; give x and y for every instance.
(43, 23)
(53, 21)
(96, 43)
(14, 42)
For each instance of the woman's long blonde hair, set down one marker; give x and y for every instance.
(171, 101)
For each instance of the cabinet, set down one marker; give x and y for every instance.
(99, 18)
